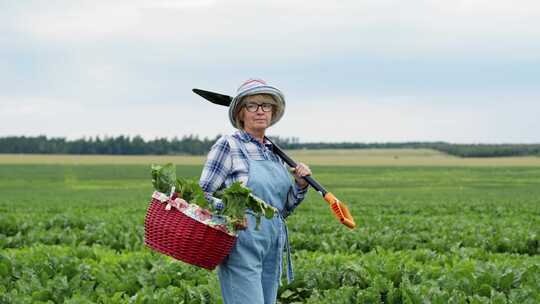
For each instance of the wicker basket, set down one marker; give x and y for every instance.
(175, 234)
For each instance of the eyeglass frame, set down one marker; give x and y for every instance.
(259, 105)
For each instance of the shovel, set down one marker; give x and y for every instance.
(339, 208)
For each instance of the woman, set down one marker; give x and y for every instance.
(251, 273)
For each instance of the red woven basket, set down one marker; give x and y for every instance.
(175, 234)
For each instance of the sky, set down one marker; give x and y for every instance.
(463, 71)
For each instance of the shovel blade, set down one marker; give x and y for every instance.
(213, 97)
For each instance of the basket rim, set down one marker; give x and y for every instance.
(197, 221)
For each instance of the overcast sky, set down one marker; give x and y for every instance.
(463, 71)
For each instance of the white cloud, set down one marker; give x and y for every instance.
(102, 67)
(375, 27)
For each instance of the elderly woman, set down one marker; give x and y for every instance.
(251, 273)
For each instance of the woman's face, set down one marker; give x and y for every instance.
(260, 119)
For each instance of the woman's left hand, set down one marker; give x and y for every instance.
(300, 171)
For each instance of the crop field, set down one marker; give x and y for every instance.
(349, 157)
(431, 229)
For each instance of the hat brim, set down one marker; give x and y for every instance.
(270, 90)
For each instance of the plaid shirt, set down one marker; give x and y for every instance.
(227, 164)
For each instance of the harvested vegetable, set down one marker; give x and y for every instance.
(236, 198)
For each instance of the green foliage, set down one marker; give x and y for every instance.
(74, 234)
(193, 145)
(119, 145)
(238, 199)
(164, 178)
(191, 192)
(295, 292)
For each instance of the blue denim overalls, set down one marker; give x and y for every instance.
(251, 272)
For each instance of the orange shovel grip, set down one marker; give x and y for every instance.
(340, 210)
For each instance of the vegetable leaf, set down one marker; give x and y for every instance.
(191, 192)
(164, 177)
(236, 198)
(239, 199)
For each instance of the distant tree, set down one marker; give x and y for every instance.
(193, 145)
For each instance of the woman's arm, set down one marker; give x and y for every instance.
(294, 198)
(298, 191)
(216, 169)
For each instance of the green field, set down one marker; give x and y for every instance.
(349, 157)
(427, 233)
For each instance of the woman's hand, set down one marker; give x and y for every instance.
(300, 171)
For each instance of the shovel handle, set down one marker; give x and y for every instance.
(340, 210)
(289, 161)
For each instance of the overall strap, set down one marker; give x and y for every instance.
(287, 247)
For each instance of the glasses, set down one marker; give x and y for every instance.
(254, 107)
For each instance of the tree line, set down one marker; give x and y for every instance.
(193, 145)
(120, 145)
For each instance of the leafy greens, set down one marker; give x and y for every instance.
(236, 198)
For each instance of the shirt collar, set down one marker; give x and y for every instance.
(246, 137)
